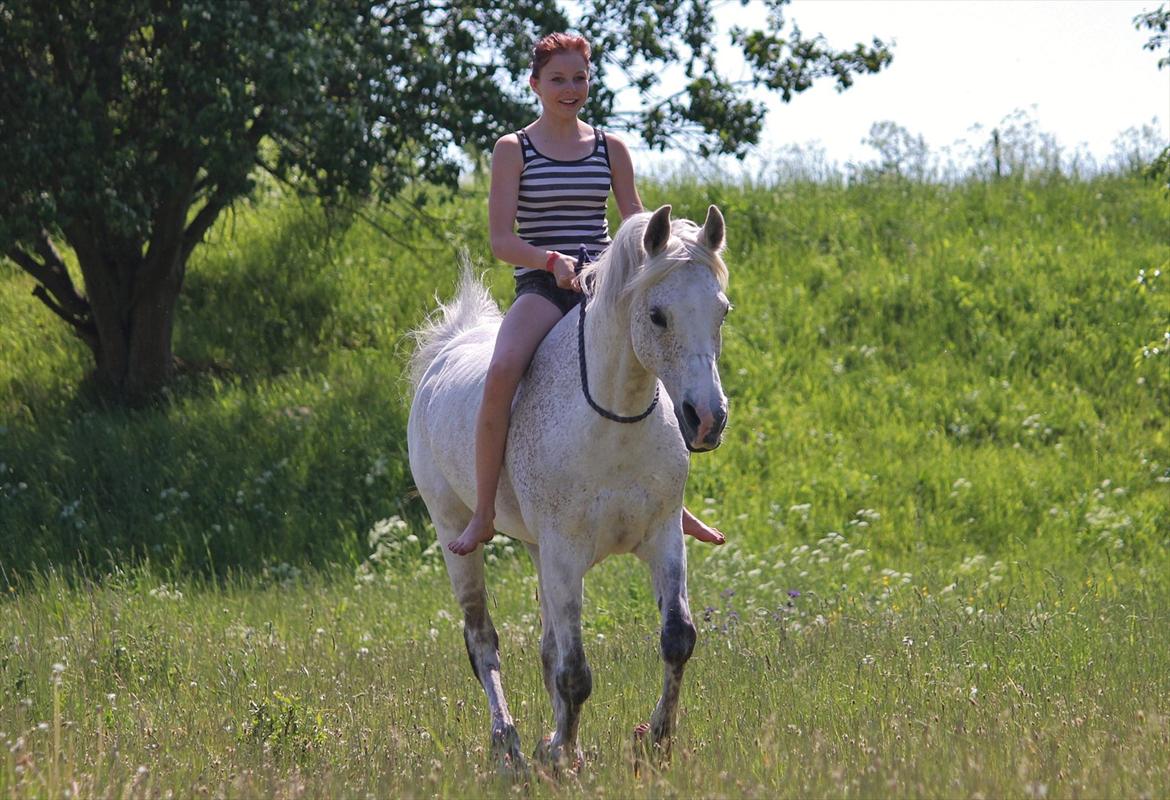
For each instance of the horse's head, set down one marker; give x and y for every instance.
(676, 307)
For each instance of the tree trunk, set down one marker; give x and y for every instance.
(133, 287)
(132, 303)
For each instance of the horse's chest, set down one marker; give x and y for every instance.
(620, 519)
(632, 481)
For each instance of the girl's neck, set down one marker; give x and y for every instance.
(559, 130)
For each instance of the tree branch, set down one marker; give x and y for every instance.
(55, 288)
(85, 329)
(51, 273)
(206, 217)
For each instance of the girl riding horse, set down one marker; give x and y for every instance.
(549, 187)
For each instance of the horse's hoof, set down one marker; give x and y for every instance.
(506, 750)
(649, 749)
(640, 747)
(556, 758)
(542, 753)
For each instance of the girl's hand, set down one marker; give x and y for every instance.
(564, 270)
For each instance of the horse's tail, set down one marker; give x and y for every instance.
(471, 306)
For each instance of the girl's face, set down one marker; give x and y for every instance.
(563, 84)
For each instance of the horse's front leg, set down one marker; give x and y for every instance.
(567, 674)
(666, 556)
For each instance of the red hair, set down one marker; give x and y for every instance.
(555, 43)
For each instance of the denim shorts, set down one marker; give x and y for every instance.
(545, 285)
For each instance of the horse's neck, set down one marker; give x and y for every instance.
(617, 380)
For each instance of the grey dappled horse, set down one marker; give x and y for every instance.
(596, 460)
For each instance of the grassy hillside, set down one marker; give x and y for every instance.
(946, 484)
(931, 368)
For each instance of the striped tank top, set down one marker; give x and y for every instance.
(561, 204)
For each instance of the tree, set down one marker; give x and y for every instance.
(902, 154)
(1157, 22)
(128, 126)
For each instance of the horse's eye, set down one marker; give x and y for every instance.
(657, 317)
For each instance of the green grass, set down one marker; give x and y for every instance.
(948, 433)
(278, 687)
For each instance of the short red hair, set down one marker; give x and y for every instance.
(555, 43)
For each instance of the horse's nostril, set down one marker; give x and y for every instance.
(691, 416)
(720, 419)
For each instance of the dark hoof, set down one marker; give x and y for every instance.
(648, 750)
(557, 759)
(506, 750)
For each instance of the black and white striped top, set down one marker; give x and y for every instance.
(562, 203)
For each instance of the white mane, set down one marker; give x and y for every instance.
(623, 271)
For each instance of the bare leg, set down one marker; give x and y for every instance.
(693, 526)
(527, 322)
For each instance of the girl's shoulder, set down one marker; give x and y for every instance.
(507, 152)
(612, 140)
(507, 158)
(616, 147)
(509, 141)
(610, 136)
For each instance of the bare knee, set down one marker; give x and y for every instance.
(503, 376)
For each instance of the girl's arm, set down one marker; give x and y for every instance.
(503, 199)
(621, 170)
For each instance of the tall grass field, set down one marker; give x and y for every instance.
(945, 484)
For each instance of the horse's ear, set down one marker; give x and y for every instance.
(712, 234)
(657, 231)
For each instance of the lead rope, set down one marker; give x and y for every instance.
(582, 258)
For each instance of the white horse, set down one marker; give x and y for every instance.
(596, 460)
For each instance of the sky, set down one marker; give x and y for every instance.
(1076, 67)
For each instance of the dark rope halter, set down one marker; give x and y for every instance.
(582, 258)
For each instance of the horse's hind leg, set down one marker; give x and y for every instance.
(483, 644)
(666, 556)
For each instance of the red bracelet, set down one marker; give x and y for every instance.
(548, 262)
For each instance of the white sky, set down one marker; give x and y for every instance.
(1076, 66)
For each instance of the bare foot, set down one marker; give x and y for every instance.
(693, 526)
(476, 533)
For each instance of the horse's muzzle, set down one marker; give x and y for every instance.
(701, 428)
